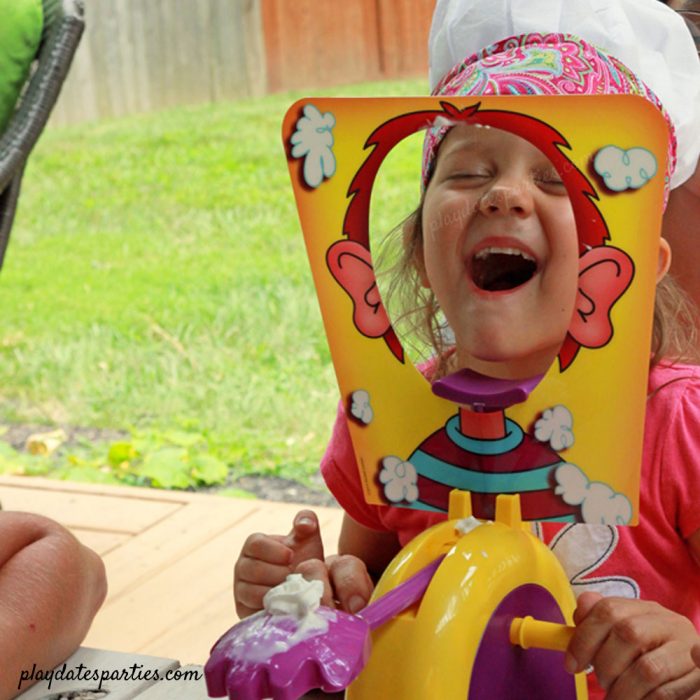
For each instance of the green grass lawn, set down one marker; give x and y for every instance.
(156, 283)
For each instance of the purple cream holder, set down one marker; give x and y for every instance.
(240, 668)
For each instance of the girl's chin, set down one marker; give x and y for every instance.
(504, 364)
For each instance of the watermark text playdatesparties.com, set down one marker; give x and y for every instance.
(84, 674)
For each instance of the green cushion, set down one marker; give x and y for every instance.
(21, 24)
(53, 10)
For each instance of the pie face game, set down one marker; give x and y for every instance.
(568, 440)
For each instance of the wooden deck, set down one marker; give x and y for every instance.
(169, 557)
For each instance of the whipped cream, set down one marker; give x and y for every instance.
(292, 614)
(466, 525)
(295, 596)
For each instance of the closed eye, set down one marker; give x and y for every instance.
(550, 180)
(552, 185)
(468, 176)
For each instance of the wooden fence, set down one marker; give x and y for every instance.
(312, 43)
(146, 55)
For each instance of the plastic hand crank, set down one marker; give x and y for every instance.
(528, 632)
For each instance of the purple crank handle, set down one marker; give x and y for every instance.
(403, 596)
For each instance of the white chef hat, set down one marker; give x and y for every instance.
(648, 37)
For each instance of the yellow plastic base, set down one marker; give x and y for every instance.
(429, 650)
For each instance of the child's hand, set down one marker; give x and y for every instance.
(266, 560)
(346, 582)
(637, 648)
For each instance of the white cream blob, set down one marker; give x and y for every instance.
(291, 615)
(295, 596)
(466, 525)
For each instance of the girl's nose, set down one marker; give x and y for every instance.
(507, 200)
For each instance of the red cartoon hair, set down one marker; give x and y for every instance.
(591, 227)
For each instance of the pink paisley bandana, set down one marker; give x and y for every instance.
(540, 64)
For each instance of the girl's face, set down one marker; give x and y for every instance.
(500, 251)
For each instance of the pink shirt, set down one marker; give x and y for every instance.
(651, 561)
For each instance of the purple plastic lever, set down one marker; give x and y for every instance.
(400, 598)
(470, 388)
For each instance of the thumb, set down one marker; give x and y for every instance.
(304, 539)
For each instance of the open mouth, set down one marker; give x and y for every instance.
(502, 269)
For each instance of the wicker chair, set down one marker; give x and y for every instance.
(64, 27)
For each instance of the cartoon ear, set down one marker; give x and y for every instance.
(350, 264)
(605, 273)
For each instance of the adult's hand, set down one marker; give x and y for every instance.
(51, 586)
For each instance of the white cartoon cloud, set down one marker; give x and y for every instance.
(313, 141)
(399, 479)
(625, 169)
(600, 505)
(556, 427)
(360, 406)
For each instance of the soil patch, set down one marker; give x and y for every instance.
(270, 488)
(17, 434)
(273, 488)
